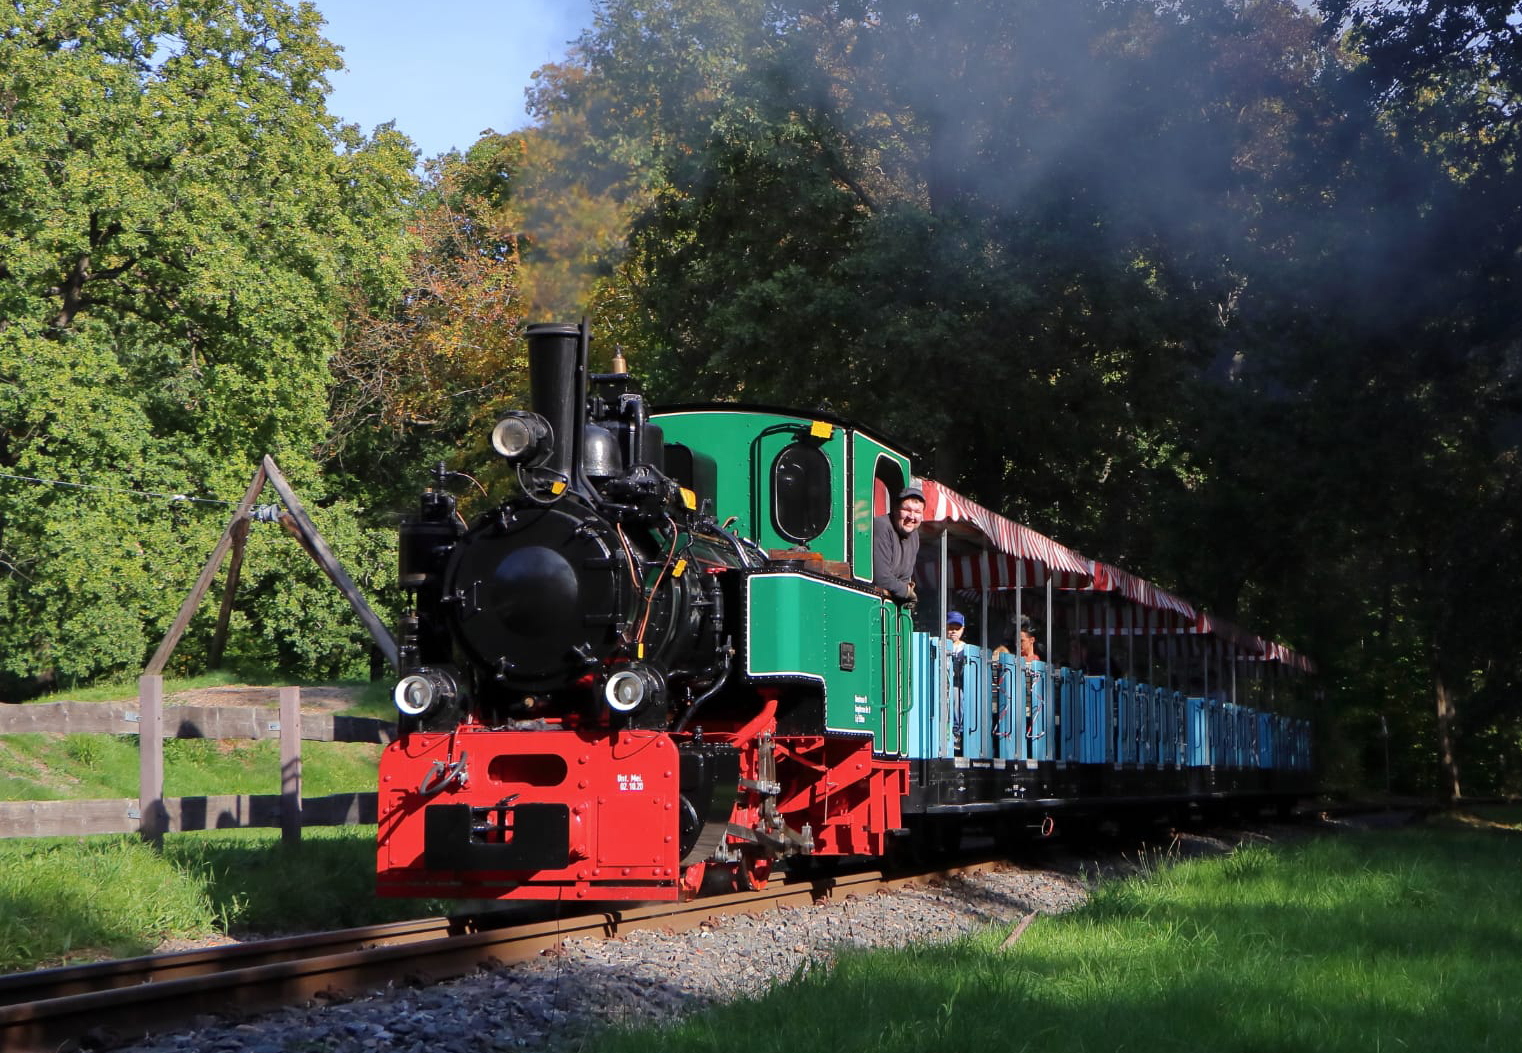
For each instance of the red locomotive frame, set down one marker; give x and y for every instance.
(589, 814)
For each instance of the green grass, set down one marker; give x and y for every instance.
(374, 696)
(80, 899)
(1404, 940)
(72, 899)
(126, 690)
(88, 767)
(39, 767)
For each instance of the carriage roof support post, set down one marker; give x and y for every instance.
(1205, 656)
(1019, 607)
(1173, 639)
(945, 586)
(1109, 632)
(942, 686)
(1077, 634)
(1131, 645)
(983, 622)
(1147, 621)
(1049, 657)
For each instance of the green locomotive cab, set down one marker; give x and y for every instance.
(805, 489)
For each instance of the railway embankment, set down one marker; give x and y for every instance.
(1287, 916)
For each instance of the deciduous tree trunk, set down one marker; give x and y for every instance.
(1448, 765)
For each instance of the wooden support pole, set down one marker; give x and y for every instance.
(153, 819)
(290, 764)
(234, 571)
(329, 563)
(188, 608)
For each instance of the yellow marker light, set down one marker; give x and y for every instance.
(689, 500)
(558, 487)
(821, 429)
(676, 571)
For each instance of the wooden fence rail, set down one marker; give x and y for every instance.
(187, 722)
(152, 815)
(224, 811)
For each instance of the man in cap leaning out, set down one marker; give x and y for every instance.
(896, 543)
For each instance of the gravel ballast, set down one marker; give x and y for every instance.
(645, 977)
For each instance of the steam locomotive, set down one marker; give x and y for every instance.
(607, 693)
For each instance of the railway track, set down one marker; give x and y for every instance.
(109, 1003)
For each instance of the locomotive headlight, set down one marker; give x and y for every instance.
(631, 687)
(522, 437)
(418, 693)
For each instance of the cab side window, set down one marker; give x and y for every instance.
(801, 492)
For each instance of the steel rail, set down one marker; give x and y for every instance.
(116, 1002)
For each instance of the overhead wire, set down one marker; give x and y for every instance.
(116, 490)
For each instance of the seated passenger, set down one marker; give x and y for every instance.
(1030, 650)
(956, 667)
(1025, 646)
(896, 543)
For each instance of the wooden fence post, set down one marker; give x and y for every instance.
(153, 818)
(290, 764)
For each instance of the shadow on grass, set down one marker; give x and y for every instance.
(259, 885)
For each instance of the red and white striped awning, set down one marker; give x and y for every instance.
(1108, 578)
(1131, 619)
(1277, 652)
(1156, 612)
(1014, 544)
(1020, 556)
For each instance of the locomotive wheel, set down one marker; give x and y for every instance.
(752, 872)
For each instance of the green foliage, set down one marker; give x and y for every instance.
(179, 223)
(933, 216)
(423, 375)
(83, 750)
(1209, 289)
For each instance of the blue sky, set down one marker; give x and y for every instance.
(446, 70)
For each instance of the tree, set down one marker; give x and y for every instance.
(977, 205)
(424, 373)
(180, 220)
(1206, 287)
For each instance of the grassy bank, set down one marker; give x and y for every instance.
(1386, 940)
(86, 767)
(77, 899)
(80, 899)
(90, 767)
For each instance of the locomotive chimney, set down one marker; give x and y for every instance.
(557, 371)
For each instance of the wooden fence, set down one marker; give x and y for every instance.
(151, 814)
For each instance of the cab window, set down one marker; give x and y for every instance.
(801, 500)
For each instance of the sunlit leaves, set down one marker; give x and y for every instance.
(180, 219)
